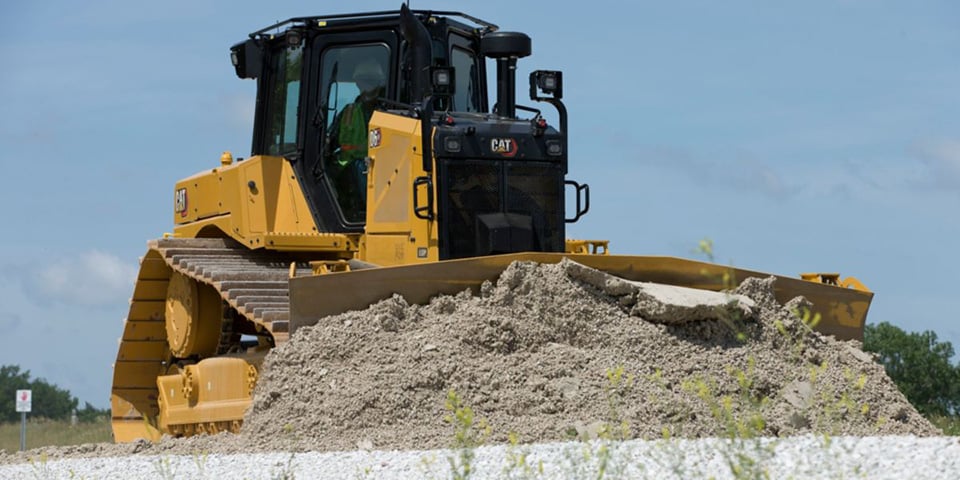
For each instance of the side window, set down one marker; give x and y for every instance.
(283, 107)
(467, 94)
(353, 78)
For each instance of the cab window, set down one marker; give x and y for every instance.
(353, 79)
(467, 90)
(283, 106)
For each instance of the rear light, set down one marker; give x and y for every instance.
(452, 144)
(554, 148)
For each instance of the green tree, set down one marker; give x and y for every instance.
(51, 401)
(919, 365)
(11, 380)
(89, 413)
(48, 401)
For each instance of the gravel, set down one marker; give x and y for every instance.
(893, 457)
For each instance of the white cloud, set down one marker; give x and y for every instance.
(942, 159)
(93, 278)
(739, 171)
(930, 167)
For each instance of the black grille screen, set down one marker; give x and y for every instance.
(469, 189)
(536, 191)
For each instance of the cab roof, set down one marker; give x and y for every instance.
(368, 18)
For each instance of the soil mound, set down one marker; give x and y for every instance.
(554, 352)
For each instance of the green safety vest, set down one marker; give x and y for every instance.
(353, 134)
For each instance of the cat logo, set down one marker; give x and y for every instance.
(504, 146)
(180, 202)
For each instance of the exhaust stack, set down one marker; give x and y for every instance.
(506, 48)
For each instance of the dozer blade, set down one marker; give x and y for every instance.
(843, 310)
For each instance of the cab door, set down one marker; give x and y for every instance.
(332, 172)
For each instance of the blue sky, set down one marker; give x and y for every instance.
(817, 136)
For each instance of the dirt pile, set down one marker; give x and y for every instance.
(539, 352)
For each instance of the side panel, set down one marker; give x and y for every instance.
(273, 200)
(396, 236)
(257, 202)
(197, 197)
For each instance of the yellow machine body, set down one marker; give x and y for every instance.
(393, 234)
(258, 203)
(206, 397)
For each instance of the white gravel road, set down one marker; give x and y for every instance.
(888, 457)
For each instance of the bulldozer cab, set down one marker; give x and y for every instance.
(493, 183)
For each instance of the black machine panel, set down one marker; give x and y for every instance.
(495, 206)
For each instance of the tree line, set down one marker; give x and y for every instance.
(48, 401)
(920, 365)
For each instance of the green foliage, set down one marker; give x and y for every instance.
(742, 416)
(49, 401)
(949, 424)
(163, 468)
(727, 280)
(742, 419)
(619, 384)
(519, 465)
(839, 405)
(89, 413)
(11, 380)
(468, 434)
(920, 366)
(40, 466)
(798, 335)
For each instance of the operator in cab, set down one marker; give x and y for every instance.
(349, 140)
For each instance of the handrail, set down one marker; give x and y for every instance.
(485, 25)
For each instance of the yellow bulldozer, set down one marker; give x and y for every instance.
(378, 167)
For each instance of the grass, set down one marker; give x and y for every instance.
(469, 433)
(950, 425)
(42, 432)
